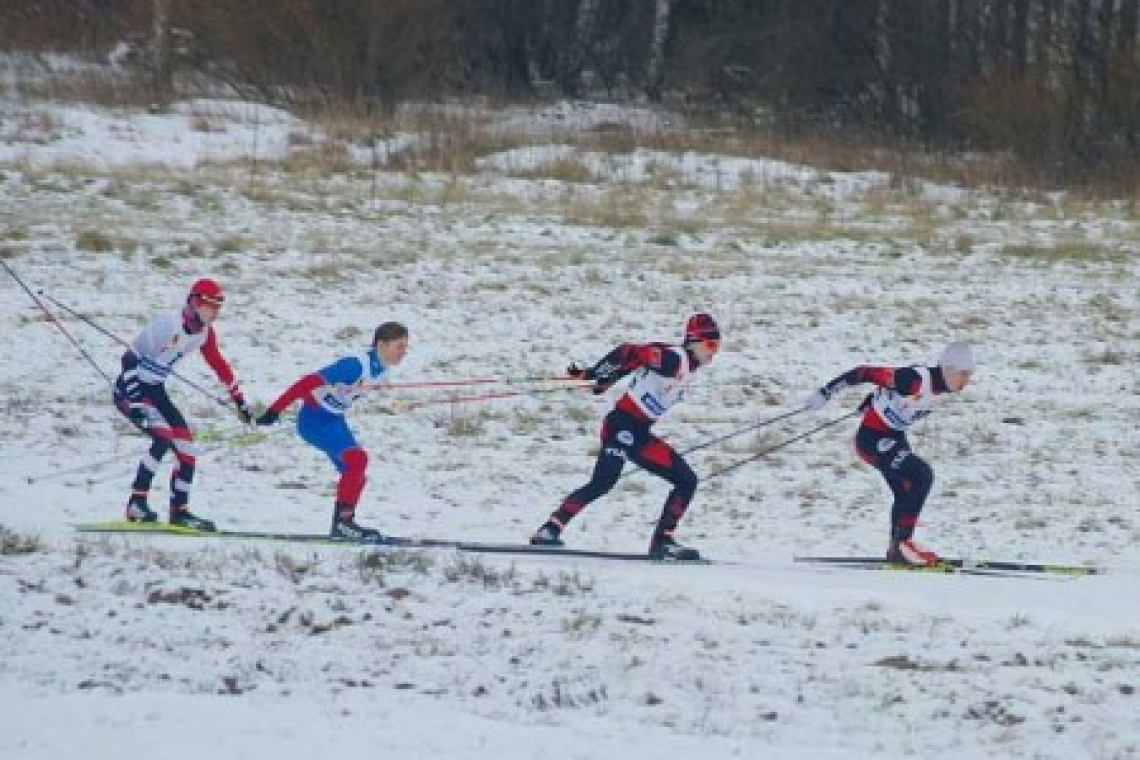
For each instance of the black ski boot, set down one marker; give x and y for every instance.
(547, 535)
(666, 549)
(344, 527)
(184, 518)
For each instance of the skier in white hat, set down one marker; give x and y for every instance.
(904, 396)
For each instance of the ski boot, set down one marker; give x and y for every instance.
(139, 511)
(907, 552)
(665, 548)
(547, 535)
(345, 527)
(184, 518)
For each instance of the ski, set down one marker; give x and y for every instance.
(124, 527)
(939, 569)
(963, 564)
(560, 551)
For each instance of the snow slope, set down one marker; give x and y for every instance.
(172, 648)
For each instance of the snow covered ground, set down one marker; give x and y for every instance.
(166, 648)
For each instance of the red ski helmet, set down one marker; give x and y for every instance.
(208, 291)
(701, 326)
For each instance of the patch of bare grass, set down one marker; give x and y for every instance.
(1062, 251)
(13, 543)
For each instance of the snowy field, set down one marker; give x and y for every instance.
(161, 648)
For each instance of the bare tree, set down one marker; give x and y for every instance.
(655, 65)
(580, 69)
(162, 65)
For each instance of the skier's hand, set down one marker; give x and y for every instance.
(604, 375)
(243, 411)
(580, 371)
(268, 417)
(816, 401)
(137, 416)
(131, 386)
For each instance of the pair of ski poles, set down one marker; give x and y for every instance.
(547, 384)
(763, 452)
(39, 298)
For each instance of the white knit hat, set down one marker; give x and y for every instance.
(957, 355)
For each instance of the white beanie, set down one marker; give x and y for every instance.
(957, 355)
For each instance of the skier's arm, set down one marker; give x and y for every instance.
(296, 392)
(905, 380)
(628, 357)
(213, 356)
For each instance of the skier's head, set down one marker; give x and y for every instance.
(391, 343)
(206, 299)
(957, 363)
(702, 336)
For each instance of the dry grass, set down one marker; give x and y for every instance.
(1060, 250)
(12, 543)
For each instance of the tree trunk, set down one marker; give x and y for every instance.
(882, 87)
(581, 72)
(162, 64)
(1019, 37)
(655, 66)
(1129, 23)
(1102, 44)
(1043, 42)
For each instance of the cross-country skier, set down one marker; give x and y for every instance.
(660, 374)
(140, 395)
(904, 396)
(327, 396)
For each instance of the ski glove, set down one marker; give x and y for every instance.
(268, 417)
(131, 386)
(816, 401)
(138, 418)
(243, 411)
(580, 371)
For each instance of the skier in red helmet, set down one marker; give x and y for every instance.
(140, 395)
(660, 373)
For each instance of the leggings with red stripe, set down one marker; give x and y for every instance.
(908, 475)
(625, 437)
(168, 430)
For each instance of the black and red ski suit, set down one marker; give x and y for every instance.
(902, 399)
(626, 433)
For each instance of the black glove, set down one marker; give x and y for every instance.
(604, 375)
(138, 417)
(268, 417)
(131, 386)
(580, 371)
(243, 411)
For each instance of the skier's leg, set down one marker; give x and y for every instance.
(616, 437)
(659, 458)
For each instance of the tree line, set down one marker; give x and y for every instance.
(1057, 81)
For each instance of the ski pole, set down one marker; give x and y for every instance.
(492, 396)
(779, 446)
(725, 437)
(86, 320)
(470, 381)
(51, 318)
(742, 431)
(98, 465)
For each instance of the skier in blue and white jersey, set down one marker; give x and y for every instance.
(904, 396)
(326, 396)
